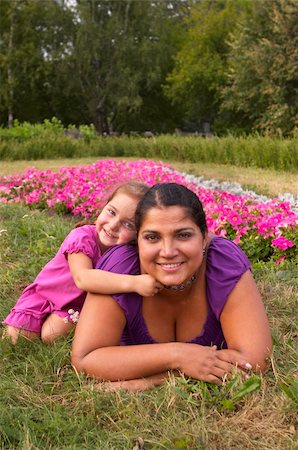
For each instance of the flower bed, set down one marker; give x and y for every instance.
(266, 230)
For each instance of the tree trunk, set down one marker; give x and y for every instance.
(101, 122)
(9, 69)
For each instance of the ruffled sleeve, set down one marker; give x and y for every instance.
(82, 239)
(226, 263)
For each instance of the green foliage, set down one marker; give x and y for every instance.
(123, 51)
(23, 131)
(151, 65)
(200, 64)
(291, 390)
(227, 396)
(35, 63)
(262, 91)
(48, 141)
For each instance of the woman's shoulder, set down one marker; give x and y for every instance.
(226, 263)
(224, 253)
(120, 259)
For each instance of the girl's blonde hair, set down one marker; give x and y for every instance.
(132, 188)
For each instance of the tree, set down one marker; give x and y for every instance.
(262, 89)
(200, 65)
(35, 41)
(97, 61)
(123, 51)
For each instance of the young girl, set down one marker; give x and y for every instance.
(50, 306)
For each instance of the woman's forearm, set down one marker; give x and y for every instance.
(127, 362)
(141, 361)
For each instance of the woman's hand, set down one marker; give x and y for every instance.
(234, 357)
(208, 363)
(146, 285)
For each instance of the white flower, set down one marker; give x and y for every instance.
(73, 315)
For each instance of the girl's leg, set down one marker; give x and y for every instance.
(55, 327)
(14, 333)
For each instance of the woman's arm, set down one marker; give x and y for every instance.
(96, 347)
(96, 350)
(245, 324)
(104, 282)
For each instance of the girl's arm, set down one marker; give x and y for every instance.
(104, 282)
(96, 350)
(245, 324)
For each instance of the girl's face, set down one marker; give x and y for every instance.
(170, 245)
(115, 223)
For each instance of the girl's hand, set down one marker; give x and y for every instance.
(209, 364)
(146, 285)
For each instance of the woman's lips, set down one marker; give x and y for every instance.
(170, 267)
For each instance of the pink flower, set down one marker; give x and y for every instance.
(282, 243)
(234, 218)
(83, 190)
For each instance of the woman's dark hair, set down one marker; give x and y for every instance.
(171, 194)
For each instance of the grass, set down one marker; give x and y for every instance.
(44, 404)
(263, 181)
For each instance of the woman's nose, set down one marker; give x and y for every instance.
(168, 249)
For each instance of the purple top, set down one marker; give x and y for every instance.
(226, 263)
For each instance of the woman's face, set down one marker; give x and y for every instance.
(170, 245)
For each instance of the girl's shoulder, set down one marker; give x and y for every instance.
(81, 231)
(82, 239)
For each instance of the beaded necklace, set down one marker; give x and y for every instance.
(183, 286)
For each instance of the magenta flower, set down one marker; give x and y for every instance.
(234, 218)
(282, 243)
(83, 190)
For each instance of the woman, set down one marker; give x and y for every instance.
(207, 318)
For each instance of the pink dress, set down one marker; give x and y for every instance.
(53, 290)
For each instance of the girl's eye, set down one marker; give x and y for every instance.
(129, 225)
(111, 212)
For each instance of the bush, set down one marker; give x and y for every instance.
(49, 140)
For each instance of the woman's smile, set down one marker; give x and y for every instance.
(170, 267)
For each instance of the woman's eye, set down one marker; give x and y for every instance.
(184, 235)
(151, 237)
